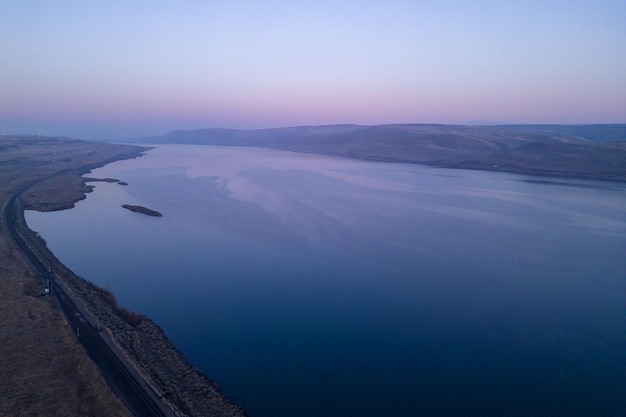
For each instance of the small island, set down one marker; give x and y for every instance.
(89, 179)
(143, 210)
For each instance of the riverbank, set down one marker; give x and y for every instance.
(596, 152)
(28, 160)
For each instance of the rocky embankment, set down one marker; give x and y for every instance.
(186, 390)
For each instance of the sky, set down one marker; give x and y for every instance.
(107, 69)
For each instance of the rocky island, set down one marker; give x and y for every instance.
(142, 210)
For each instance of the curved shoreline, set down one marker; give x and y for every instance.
(143, 343)
(184, 388)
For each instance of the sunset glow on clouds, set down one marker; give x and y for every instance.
(103, 68)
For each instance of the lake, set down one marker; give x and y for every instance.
(309, 285)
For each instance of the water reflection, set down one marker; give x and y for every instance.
(308, 285)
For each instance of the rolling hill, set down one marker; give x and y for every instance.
(579, 151)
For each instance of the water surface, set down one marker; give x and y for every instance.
(308, 285)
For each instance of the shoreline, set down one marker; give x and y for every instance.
(466, 165)
(475, 165)
(185, 389)
(595, 152)
(144, 344)
(143, 340)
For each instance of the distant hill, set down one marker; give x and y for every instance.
(582, 151)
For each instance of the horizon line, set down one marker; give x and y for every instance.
(42, 133)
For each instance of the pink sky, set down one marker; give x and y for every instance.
(104, 69)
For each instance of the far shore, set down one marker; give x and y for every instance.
(142, 210)
(595, 152)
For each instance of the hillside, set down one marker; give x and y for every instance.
(581, 151)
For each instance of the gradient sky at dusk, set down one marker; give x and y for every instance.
(103, 68)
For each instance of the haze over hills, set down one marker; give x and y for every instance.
(580, 151)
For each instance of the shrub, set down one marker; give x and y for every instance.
(128, 316)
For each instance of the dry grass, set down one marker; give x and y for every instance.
(45, 371)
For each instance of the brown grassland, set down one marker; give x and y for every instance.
(45, 370)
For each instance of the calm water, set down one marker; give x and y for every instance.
(315, 286)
